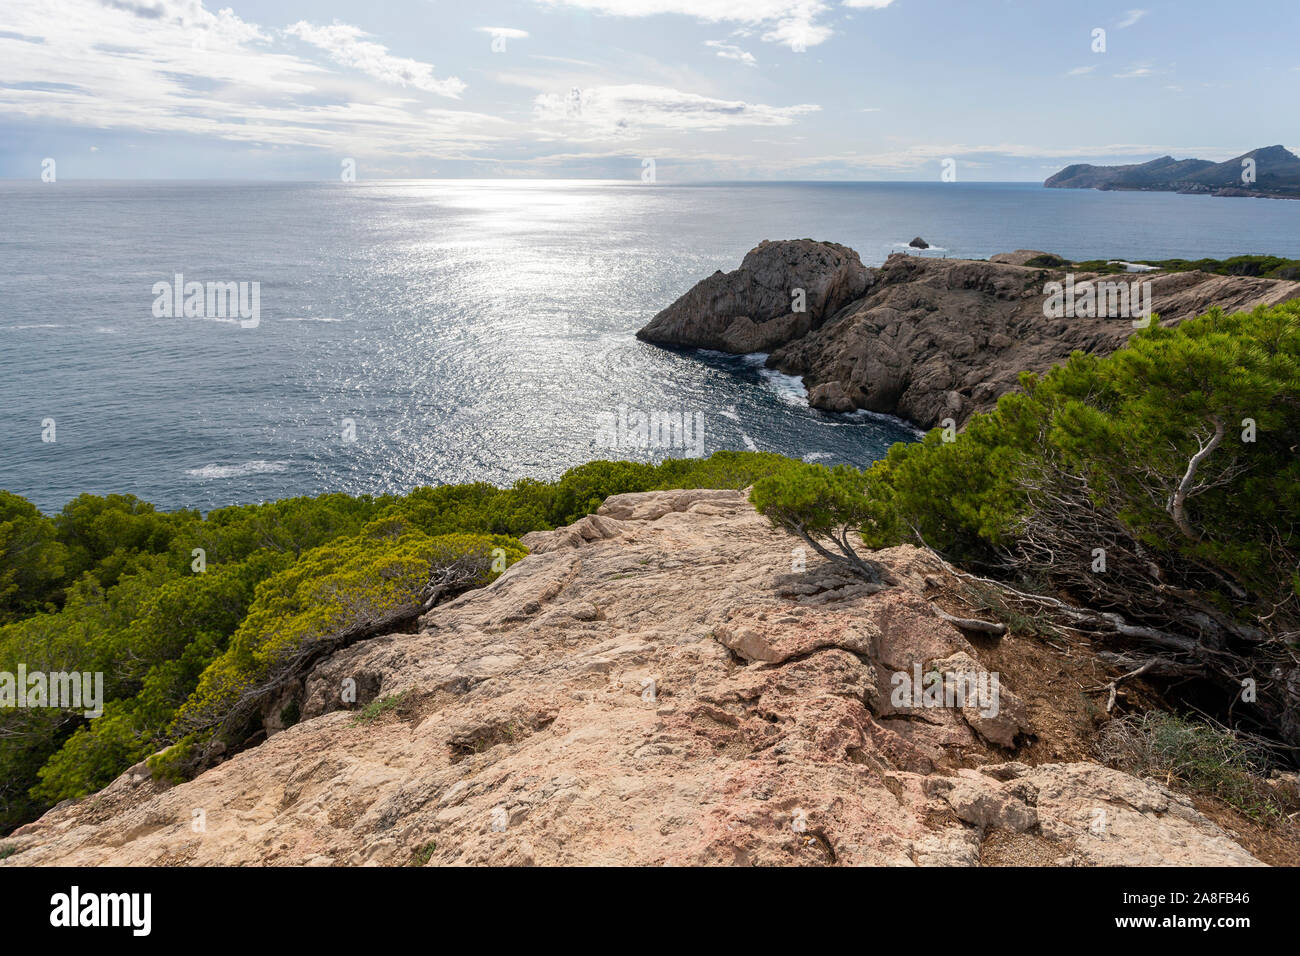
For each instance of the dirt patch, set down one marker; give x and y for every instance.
(1003, 848)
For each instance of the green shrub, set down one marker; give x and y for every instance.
(423, 854)
(332, 590)
(380, 706)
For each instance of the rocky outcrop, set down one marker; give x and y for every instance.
(1020, 257)
(929, 339)
(662, 683)
(780, 292)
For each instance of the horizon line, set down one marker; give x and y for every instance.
(517, 179)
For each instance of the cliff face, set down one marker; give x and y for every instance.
(663, 683)
(927, 339)
(1277, 175)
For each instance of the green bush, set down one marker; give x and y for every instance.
(1193, 754)
(33, 562)
(331, 590)
(1266, 267)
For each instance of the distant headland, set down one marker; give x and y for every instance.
(1271, 172)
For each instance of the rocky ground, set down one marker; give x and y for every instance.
(922, 338)
(663, 683)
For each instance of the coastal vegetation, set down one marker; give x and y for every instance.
(1263, 267)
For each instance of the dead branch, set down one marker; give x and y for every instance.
(970, 623)
(1178, 506)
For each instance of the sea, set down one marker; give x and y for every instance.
(406, 333)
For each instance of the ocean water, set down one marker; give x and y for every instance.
(439, 331)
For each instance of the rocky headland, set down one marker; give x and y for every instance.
(922, 338)
(664, 683)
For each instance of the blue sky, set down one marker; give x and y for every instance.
(709, 89)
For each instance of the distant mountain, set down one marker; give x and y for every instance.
(1277, 175)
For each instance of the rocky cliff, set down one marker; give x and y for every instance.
(923, 338)
(664, 682)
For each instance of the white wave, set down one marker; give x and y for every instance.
(866, 414)
(753, 359)
(105, 330)
(908, 245)
(311, 318)
(238, 471)
(42, 325)
(789, 388)
(815, 455)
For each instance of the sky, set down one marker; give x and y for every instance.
(709, 90)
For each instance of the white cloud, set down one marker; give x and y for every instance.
(173, 67)
(1081, 70)
(791, 22)
(506, 33)
(1130, 18)
(625, 111)
(346, 45)
(729, 51)
(1137, 72)
(918, 156)
(799, 32)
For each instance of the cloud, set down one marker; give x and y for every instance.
(151, 11)
(346, 45)
(730, 52)
(1135, 73)
(505, 33)
(1081, 70)
(194, 73)
(1130, 18)
(627, 110)
(919, 156)
(790, 22)
(798, 32)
